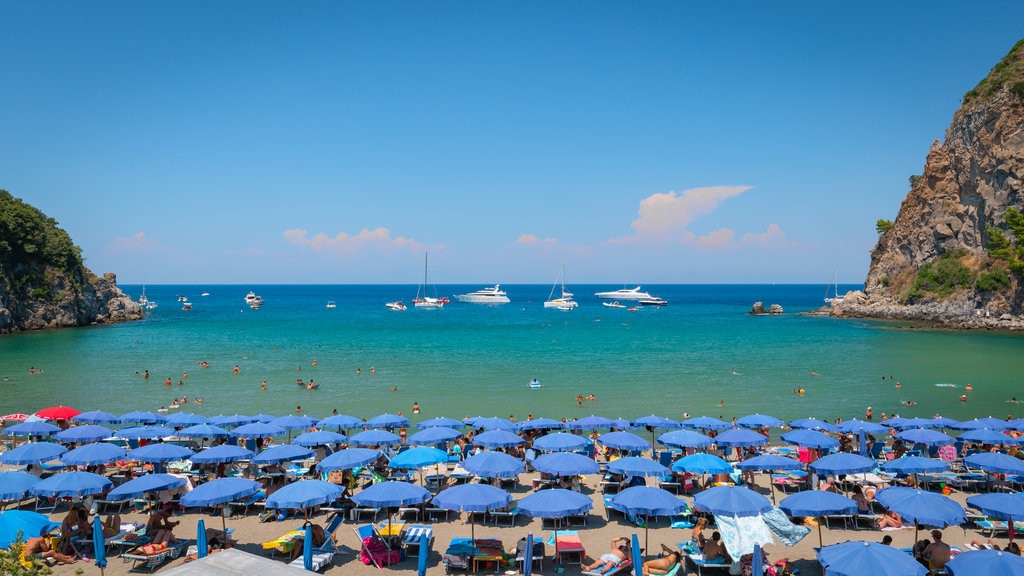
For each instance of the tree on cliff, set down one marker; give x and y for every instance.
(30, 243)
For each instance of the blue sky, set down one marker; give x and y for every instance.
(336, 142)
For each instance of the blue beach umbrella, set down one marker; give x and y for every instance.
(472, 498)
(230, 421)
(147, 432)
(655, 421)
(32, 453)
(421, 562)
(342, 421)
(433, 436)
(492, 423)
(304, 494)
(99, 545)
(375, 437)
(71, 484)
(979, 423)
(589, 423)
(995, 463)
(566, 464)
(202, 545)
(282, 453)
(87, 433)
(731, 501)
(222, 453)
(637, 466)
(498, 439)
(390, 494)
(914, 465)
(145, 484)
(759, 421)
(32, 428)
(986, 562)
(842, 463)
(1002, 505)
(294, 422)
(909, 423)
(540, 424)
(561, 441)
(988, 436)
(203, 431)
(527, 556)
(348, 459)
(921, 507)
(811, 424)
(92, 454)
(621, 424)
(441, 422)
(770, 462)
(648, 501)
(30, 524)
(868, 558)
(257, 430)
(626, 441)
(810, 439)
(96, 417)
(925, 436)
(685, 439)
(185, 419)
(817, 503)
(307, 548)
(856, 426)
(702, 463)
(741, 437)
(638, 558)
(555, 503)
(493, 465)
(418, 458)
(142, 417)
(319, 438)
(220, 491)
(15, 485)
(706, 423)
(160, 452)
(943, 422)
(387, 420)
(265, 418)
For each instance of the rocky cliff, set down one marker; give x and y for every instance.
(951, 255)
(43, 281)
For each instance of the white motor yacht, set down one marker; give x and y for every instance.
(654, 301)
(624, 294)
(493, 295)
(396, 305)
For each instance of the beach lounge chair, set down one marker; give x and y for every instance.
(566, 543)
(151, 557)
(622, 565)
(538, 554)
(257, 499)
(411, 540)
(458, 555)
(700, 564)
(507, 515)
(373, 550)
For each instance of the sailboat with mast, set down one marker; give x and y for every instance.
(834, 284)
(564, 301)
(144, 300)
(422, 300)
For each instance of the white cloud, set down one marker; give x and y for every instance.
(377, 239)
(773, 236)
(531, 240)
(719, 239)
(138, 242)
(724, 239)
(665, 216)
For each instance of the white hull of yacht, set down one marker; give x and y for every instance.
(624, 294)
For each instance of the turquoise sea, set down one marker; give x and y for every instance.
(689, 357)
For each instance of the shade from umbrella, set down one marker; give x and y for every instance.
(770, 462)
(624, 441)
(493, 465)
(348, 459)
(160, 452)
(986, 562)
(914, 465)
(220, 491)
(71, 484)
(589, 423)
(655, 421)
(868, 559)
(434, 436)
(732, 501)
(1000, 505)
(319, 438)
(637, 466)
(185, 419)
(87, 433)
(390, 494)
(147, 432)
(842, 463)
(565, 464)
(926, 437)
(706, 423)
(441, 422)
(230, 421)
(988, 436)
(15, 484)
(257, 430)
(203, 431)
(145, 484)
(32, 453)
(222, 453)
(58, 413)
(341, 421)
(142, 417)
(810, 439)
(282, 453)
(540, 424)
(498, 439)
(92, 454)
(811, 424)
(294, 422)
(418, 458)
(759, 421)
(304, 494)
(202, 545)
(99, 544)
(855, 426)
(685, 439)
(493, 423)
(30, 524)
(387, 421)
(995, 462)
(741, 437)
(560, 441)
(701, 463)
(921, 507)
(32, 428)
(96, 417)
(375, 437)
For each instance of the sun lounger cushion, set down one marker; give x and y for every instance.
(320, 560)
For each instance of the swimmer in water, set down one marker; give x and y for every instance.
(813, 373)
(969, 388)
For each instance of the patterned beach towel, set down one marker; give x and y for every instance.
(739, 535)
(778, 522)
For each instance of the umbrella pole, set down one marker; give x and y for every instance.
(223, 522)
(647, 532)
(820, 545)
(916, 528)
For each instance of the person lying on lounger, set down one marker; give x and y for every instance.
(889, 520)
(619, 552)
(663, 563)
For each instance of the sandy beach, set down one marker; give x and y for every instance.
(250, 533)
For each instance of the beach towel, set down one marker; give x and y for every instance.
(779, 524)
(739, 535)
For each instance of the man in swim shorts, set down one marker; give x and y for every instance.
(618, 553)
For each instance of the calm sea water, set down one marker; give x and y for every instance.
(701, 351)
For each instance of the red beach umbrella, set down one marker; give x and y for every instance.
(58, 413)
(15, 417)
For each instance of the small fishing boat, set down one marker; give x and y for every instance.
(614, 304)
(396, 305)
(331, 304)
(534, 383)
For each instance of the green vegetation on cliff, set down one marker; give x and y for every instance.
(956, 271)
(1009, 70)
(34, 251)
